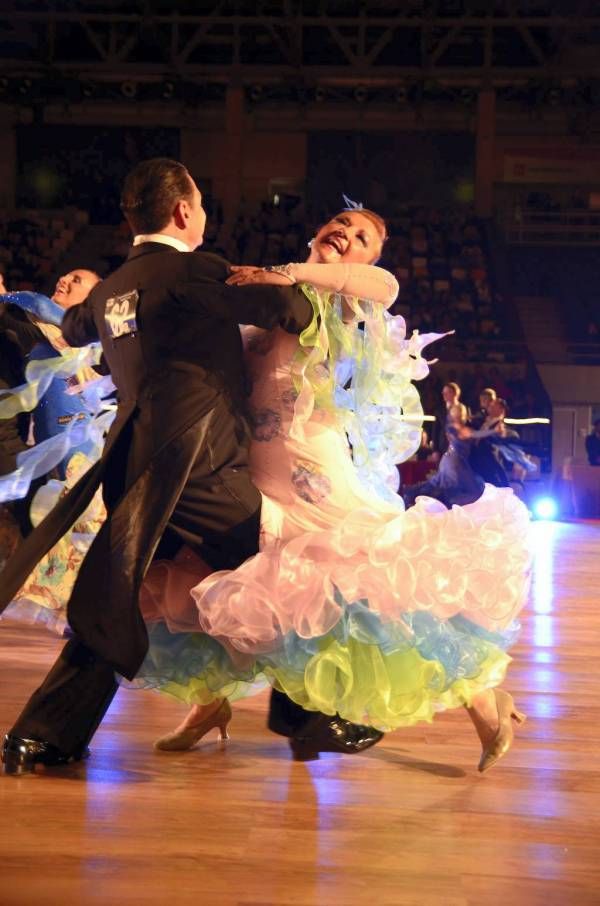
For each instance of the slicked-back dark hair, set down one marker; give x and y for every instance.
(151, 191)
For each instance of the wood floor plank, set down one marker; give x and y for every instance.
(409, 822)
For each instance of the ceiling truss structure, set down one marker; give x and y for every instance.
(319, 45)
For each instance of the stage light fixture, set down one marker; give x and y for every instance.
(545, 508)
(256, 92)
(129, 89)
(554, 97)
(192, 93)
(168, 90)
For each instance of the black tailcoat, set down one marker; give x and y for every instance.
(176, 454)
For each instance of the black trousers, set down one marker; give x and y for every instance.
(69, 705)
(285, 716)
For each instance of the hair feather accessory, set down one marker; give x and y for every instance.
(352, 205)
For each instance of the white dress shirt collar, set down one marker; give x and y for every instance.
(163, 239)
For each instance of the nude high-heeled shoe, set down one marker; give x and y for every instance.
(503, 740)
(188, 734)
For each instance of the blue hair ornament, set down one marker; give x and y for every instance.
(352, 205)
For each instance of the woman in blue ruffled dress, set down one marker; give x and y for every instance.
(70, 416)
(55, 378)
(454, 482)
(470, 460)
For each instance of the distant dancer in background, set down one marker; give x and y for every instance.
(485, 398)
(455, 482)
(426, 453)
(452, 408)
(28, 329)
(13, 430)
(484, 458)
(40, 340)
(451, 395)
(592, 445)
(12, 442)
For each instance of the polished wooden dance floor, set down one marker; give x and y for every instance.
(410, 822)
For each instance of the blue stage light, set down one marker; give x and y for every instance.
(545, 508)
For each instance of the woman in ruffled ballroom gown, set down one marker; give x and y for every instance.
(54, 389)
(352, 606)
(67, 397)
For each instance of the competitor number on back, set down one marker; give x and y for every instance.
(120, 314)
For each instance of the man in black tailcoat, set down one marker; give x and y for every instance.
(484, 457)
(174, 468)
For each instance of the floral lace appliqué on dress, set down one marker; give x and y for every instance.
(265, 424)
(310, 483)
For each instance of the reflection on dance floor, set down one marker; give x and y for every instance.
(248, 826)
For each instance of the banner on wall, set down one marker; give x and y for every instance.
(553, 166)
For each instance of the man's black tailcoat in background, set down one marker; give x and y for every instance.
(174, 464)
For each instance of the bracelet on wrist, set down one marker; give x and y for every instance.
(284, 269)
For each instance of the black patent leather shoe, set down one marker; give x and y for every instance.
(332, 734)
(20, 756)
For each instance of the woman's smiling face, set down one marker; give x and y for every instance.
(348, 237)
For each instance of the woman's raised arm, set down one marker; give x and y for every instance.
(366, 281)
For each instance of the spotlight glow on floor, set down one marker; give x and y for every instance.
(545, 508)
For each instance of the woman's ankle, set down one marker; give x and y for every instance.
(483, 712)
(198, 713)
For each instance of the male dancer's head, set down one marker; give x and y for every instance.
(497, 409)
(485, 398)
(160, 197)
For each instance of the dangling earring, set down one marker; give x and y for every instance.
(310, 242)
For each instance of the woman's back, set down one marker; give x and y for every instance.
(307, 476)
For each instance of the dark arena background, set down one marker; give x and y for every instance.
(474, 128)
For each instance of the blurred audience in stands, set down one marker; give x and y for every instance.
(33, 243)
(441, 262)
